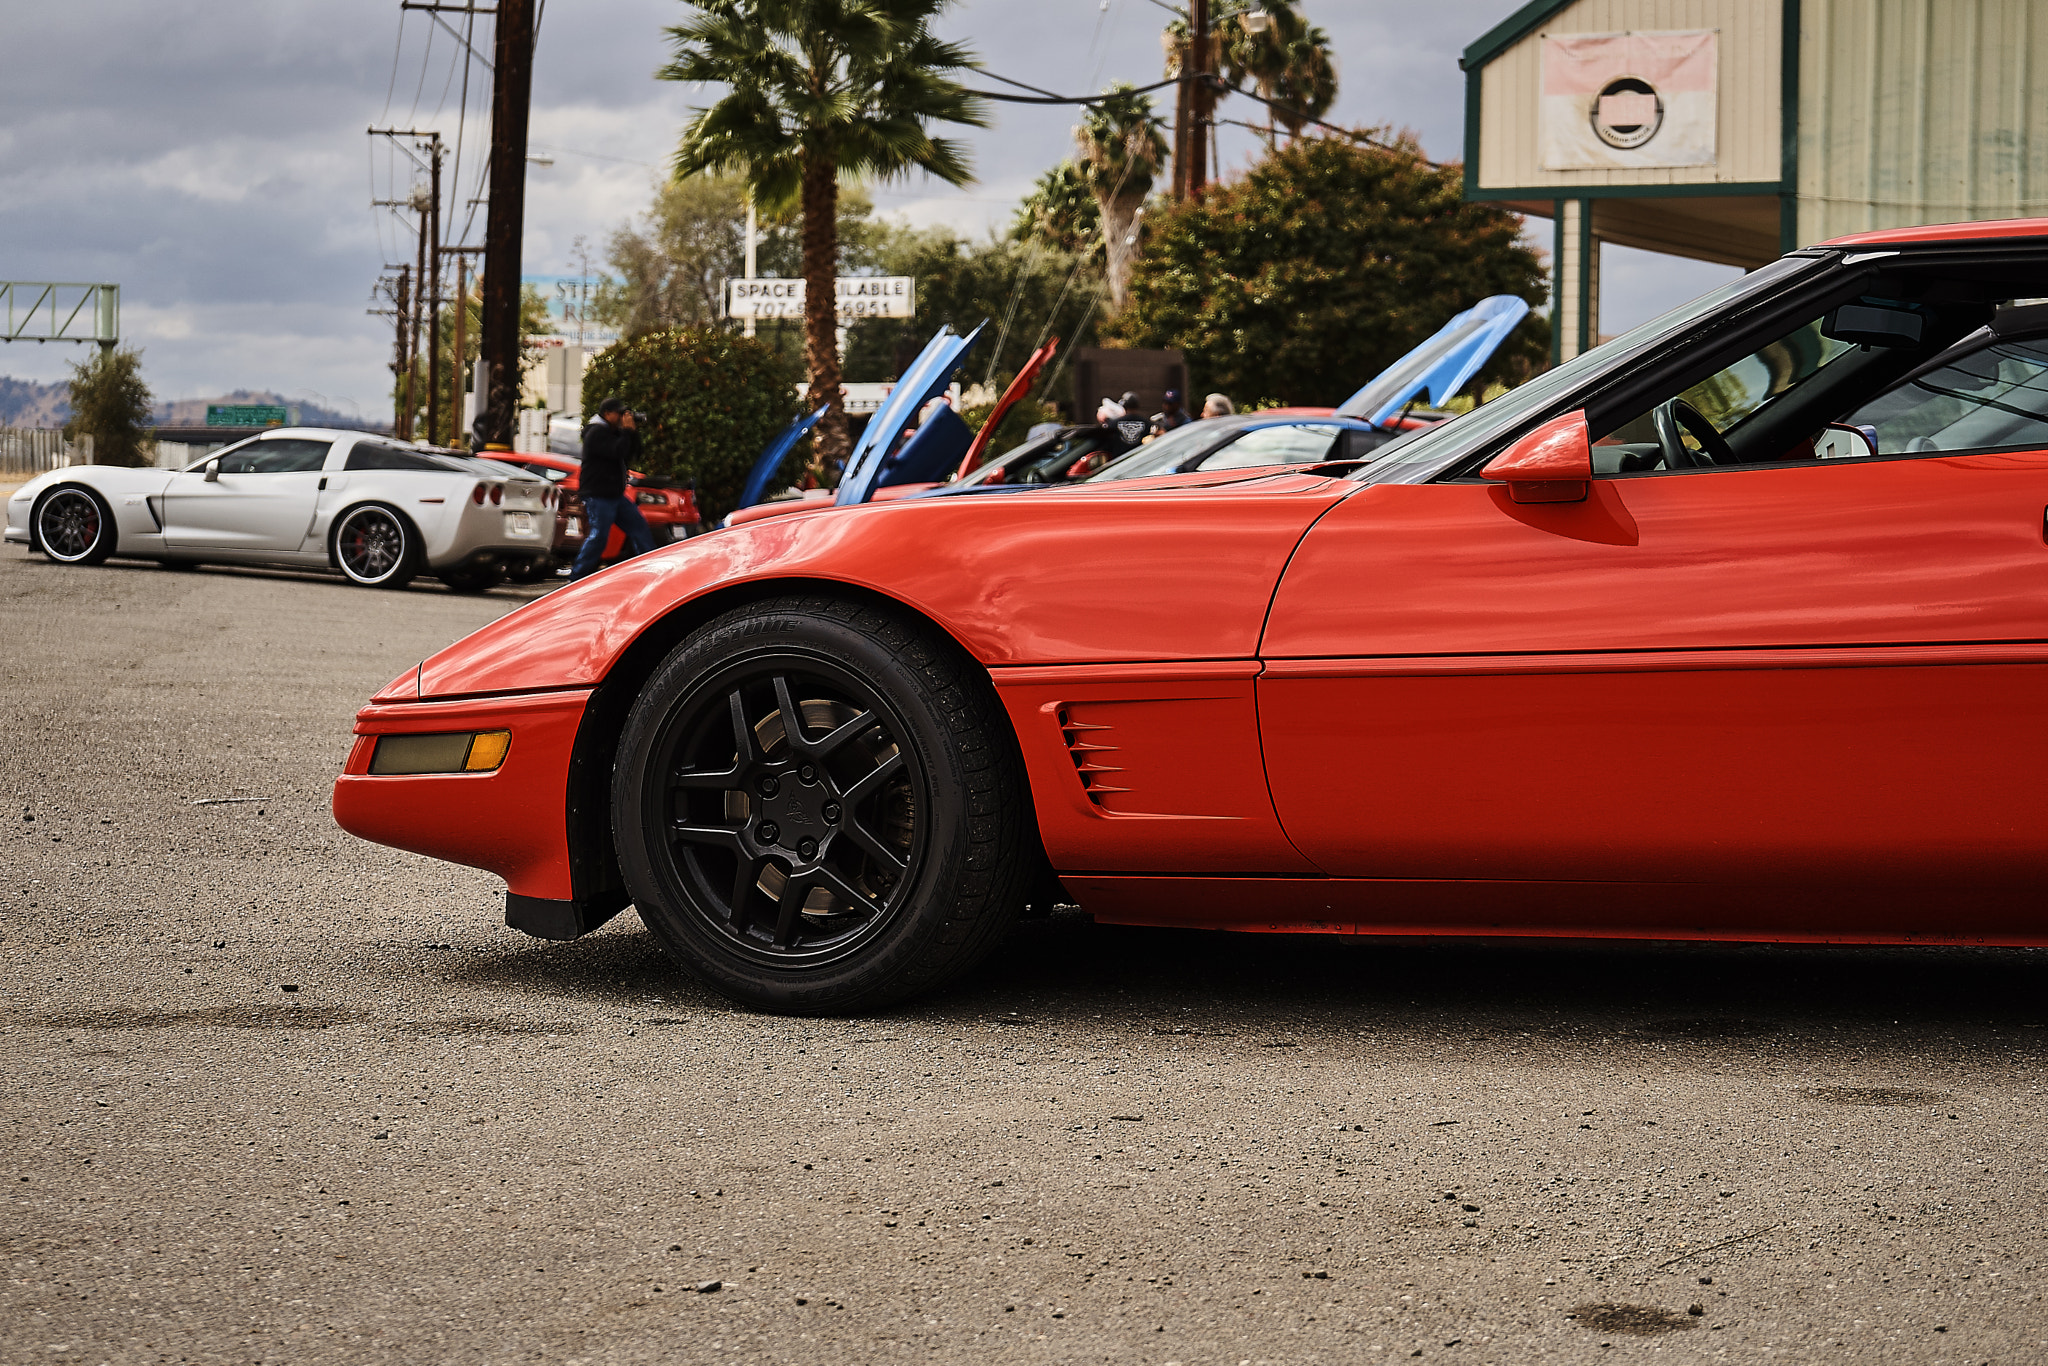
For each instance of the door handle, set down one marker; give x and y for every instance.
(323, 481)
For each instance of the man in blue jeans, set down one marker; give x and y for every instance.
(610, 445)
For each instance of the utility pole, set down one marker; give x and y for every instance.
(455, 384)
(427, 279)
(498, 337)
(401, 362)
(753, 254)
(1201, 100)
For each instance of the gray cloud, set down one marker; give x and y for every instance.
(212, 159)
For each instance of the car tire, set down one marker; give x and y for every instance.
(473, 579)
(375, 546)
(73, 525)
(903, 768)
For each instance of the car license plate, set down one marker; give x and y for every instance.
(520, 524)
(573, 525)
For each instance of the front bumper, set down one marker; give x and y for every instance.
(511, 821)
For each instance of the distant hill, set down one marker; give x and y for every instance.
(24, 403)
(191, 412)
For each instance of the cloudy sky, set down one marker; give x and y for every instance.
(212, 159)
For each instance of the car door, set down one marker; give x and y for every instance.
(1821, 677)
(262, 500)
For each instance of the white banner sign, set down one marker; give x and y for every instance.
(1628, 100)
(859, 296)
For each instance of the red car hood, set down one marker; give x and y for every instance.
(1016, 579)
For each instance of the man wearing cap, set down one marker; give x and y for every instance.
(610, 445)
(1171, 414)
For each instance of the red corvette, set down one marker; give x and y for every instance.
(1734, 628)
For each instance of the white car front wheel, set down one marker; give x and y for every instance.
(74, 526)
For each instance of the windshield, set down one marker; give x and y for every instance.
(1051, 459)
(1167, 454)
(1420, 457)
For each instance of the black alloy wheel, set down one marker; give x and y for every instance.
(819, 807)
(376, 547)
(74, 526)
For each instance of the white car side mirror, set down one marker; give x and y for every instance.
(213, 471)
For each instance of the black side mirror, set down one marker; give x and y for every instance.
(1867, 326)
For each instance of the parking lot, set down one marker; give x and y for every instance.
(277, 1095)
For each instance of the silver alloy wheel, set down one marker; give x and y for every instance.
(70, 526)
(372, 546)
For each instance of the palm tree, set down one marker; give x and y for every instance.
(1305, 86)
(1121, 151)
(1284, 57)
(817, 89)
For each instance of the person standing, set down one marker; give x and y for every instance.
(611, 443)
(1217, 405)
(1170, 415)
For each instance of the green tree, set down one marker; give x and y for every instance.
(1321, 267)
(670, 271)
(111, 404)
(1025, 291)
(1121, 152)
(1286, 59)
(817, 89)
(714, 400)
(668, 268)
(1061, 210)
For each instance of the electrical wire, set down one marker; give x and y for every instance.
(420, 90)
(396, 49)
(461, 118)
(1047, 97)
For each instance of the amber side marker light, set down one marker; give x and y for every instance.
(461, 752)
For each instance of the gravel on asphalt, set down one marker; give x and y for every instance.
(277, 1095)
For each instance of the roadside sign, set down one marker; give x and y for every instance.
(859, 296)
(246, 415)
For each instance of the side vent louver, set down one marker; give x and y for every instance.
(1088, 744)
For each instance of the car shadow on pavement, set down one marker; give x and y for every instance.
(426, 582)
(1069, 968)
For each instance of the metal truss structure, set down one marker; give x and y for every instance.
(46, 311)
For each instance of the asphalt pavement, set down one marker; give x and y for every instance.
(277, 1095)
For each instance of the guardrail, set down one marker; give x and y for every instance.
(28, 451)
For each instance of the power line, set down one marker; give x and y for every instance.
(1047, 97)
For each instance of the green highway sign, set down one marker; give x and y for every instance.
(246, 415)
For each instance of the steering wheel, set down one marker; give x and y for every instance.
(1672, 419)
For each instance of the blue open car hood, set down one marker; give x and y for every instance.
(925, 380)
(1442, 364)
(771, 459)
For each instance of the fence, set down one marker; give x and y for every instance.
(29, 451)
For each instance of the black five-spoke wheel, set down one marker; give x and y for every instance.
(72, 526)
(817, 809)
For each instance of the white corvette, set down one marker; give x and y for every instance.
(308, 497)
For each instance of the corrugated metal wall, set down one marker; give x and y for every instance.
(1921, 111)
(1748, 136)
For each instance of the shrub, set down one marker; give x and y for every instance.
(713, 400)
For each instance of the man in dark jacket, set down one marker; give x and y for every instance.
(611, 443)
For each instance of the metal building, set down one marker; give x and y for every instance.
(1735, 130)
